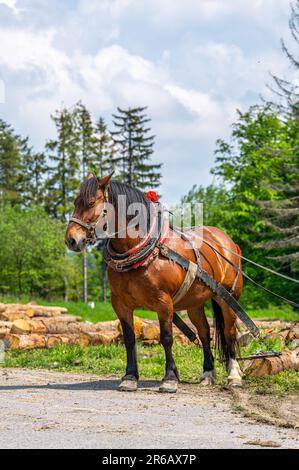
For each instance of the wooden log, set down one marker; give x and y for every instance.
(12, 316)
(108, 325)
(97, 338)
(137, 327)
(289, 359)
(150, 331)
(43, 311)
(31, 341)
(4, 331)
(71, 339)
(5, 324)
(32, 310)
(57, 324)
(28, 326)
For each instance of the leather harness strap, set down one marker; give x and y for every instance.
(186, 284)
(214, 285)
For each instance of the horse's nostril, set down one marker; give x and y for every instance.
(72, 242)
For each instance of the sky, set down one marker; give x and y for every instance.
(192, 62)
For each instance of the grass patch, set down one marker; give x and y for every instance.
(283, 383)
(274, 312)
(111, 360)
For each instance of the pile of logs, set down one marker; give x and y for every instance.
(34, 326)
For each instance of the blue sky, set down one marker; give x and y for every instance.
(192, 62)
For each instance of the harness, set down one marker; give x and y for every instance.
(153, 245)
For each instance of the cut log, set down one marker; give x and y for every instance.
(32, 310)
(150, 331)
(42, 311)
(137, 327)
(61, 324)
(97, 338)
(71, 339)
(12, 316)
(244, 338)
(28, 326)
(112, 325)
(30, 341)
(289, 359)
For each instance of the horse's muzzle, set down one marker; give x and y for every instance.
(75, 245)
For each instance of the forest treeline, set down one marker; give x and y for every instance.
(254, 196)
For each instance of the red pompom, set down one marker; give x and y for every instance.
(152, 196)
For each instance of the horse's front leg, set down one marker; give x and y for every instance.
(125, 315)
(171, 378)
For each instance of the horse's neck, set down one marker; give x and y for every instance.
(122, 245)
(122, 241)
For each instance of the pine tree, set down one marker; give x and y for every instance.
(106, 157)
(63, 182)
(132, 136)
(85, 140)
(12, 149)
(34, 170)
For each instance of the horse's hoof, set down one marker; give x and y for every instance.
(207, 379)
(127, 386)
(168, 386)
(235, 383)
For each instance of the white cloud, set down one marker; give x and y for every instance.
(199, 103)
(11, 4)
(132, 52)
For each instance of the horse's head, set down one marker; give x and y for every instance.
(90, 213)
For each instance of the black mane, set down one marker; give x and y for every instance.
(132, 195)
(89, 187)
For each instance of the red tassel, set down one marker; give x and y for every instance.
(152, 196)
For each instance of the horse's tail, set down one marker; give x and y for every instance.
(225, 349)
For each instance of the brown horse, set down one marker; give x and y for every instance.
(154, 284)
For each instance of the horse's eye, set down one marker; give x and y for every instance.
(91, 204)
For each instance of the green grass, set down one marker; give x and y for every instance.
(104, 312)
(110, 360)
(275, 312)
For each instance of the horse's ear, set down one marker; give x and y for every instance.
(104, 182)
(90, 175)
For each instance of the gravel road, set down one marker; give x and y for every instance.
(46, 409)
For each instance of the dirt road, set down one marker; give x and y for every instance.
(45, 409)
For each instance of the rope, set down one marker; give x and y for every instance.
(294, 304)
(254, 263)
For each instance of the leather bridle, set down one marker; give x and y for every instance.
(91, 226)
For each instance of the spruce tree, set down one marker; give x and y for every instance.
(63, 181)
(106, 157)
(84, 132)
(34, 171)
(12, 149)
(132, 136)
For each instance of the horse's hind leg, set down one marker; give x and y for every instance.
(199, 320)
(227, 335)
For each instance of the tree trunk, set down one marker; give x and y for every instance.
(84, 262)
